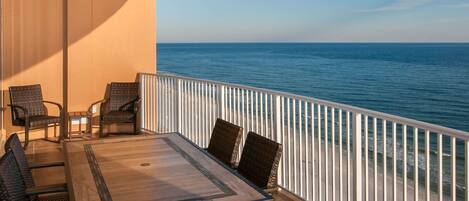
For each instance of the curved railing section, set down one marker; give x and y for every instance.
(332, 151)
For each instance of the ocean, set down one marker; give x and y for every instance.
(426, 82)
(423, 81)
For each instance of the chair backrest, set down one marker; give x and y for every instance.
(29, 97)
(12, 187)
(259, 160)
(224, 142)
(13, 144)
(122, 93)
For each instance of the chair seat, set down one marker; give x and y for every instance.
(40, 120)
(119, 117)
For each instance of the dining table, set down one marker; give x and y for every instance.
(151, 167)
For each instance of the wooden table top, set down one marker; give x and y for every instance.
(150, 167)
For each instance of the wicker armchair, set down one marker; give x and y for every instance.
(120, 105)
(13, 188)
(259, 161)
(29, 111)
(224, 142)
(13, 144)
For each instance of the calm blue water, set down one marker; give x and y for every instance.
(427, 82)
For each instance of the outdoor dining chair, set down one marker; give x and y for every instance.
(259, 161)
(29, 111)
(120, 105)
(224, 142)
(13, 187)
(13, 144)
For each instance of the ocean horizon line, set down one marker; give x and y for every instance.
(317, 42)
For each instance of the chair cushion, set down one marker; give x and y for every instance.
(37, 121)
(119, 117)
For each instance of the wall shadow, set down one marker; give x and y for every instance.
(32, 30)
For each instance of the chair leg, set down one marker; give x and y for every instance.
(135, 128)
(26, 136)
(101, 128)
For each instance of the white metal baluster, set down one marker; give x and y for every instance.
(165, 105)
(199, 118)
(453, 168)
(228, 110)
(427, 165)
(313, 155)
(319, 154)
(148, 87)
(394, 162)
(306, 153)
(357, 156)
(466, 167)
(300, 147)
(184, 108)
(289, 146)
(349, 173)
(385, 166)
(155, 126)
(206, 119)
(261, 112)
(341, 167)
(271, 116)
(416, 163)
(326, 157)
(404, 161)
(251, 110)
(238, 107)
(440, 167)
(282, 116)
(193, 109)
(243, 112)
(257, 111)
(161, 107)
(295, 158)
(266, 131)
(375, 158)
(366, 159)
(333, 151)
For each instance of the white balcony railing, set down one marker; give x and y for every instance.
(331, 151)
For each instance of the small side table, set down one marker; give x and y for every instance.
(79, 116)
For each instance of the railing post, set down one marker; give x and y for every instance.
(467, 168)
(357, 153)
(221, 101)
(178, 105)
(142, 108)
(278, 113)
(278, 128)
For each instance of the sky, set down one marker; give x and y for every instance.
(180, 21)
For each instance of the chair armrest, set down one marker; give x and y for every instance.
(38, 190)
(45, 165)
(137, 104)
(25, 111)
(90, 109)
(54, 103)
(134, 102)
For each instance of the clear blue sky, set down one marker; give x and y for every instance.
(313, 20)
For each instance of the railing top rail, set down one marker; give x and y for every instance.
(380, 115)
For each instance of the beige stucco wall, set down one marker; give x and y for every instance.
(121, 42)
(108, 40)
